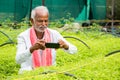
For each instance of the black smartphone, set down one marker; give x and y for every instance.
(52, 45)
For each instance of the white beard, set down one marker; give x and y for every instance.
(40, 28)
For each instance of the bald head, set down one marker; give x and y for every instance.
(40, 10)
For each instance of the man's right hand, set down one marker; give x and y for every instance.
(40, 44)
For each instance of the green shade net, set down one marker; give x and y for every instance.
(98, 8)
(16, 10)
(80, 10)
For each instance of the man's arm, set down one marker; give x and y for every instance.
(23, 53)
(67, 46)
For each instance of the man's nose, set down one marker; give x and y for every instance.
(43, 23)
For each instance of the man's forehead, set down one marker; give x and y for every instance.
(41, 17)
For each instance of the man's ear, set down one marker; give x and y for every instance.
(31, 20)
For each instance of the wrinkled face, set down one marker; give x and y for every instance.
(40, 21)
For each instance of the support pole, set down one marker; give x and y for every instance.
(43, 2)
(112, 24)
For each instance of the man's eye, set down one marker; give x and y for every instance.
(46, 20)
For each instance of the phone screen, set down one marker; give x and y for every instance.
(52, 45)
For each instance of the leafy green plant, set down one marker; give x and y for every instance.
(86, 64)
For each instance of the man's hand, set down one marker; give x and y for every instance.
(40, 44)
(63, 44)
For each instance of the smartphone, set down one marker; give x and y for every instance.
(52, 45)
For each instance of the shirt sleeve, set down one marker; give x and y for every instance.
(23, 53)
(72, 48)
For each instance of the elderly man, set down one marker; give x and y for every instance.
(31, 49)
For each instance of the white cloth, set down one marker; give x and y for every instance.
(23, 55)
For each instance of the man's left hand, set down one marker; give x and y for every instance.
(63, 44)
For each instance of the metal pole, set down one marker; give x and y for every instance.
(43, 2)
(112, 24)
(30, 9)
(30, 12)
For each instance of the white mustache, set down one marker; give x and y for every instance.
(43, 27)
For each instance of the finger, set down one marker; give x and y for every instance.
(60, 41)
(41, 45)
(41, 42)
(61, 45)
